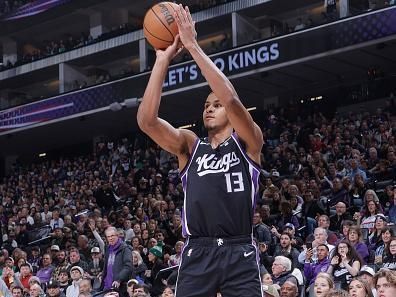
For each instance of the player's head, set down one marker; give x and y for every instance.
(214, 114)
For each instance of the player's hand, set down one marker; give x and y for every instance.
(171, 51)
(186, 26)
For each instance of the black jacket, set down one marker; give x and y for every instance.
(122, 266)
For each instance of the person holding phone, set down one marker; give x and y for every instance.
(311, 268)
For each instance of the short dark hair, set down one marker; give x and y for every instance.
(325, 245)
(16, 288)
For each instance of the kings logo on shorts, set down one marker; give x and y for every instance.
(209, 164)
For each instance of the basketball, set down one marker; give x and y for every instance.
(159, 25)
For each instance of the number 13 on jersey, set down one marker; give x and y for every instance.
(234, 182)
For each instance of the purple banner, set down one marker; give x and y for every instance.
(57, 108)
(33, 8)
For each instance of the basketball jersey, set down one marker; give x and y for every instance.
(220, 187)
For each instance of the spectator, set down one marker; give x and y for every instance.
(383, 250)
(281, 270)
(45, 272)
(15, 291)
(25, 275)
(36, 290)
(358, 287)
(53, 289)
(76, 273)
(85, 286)
(289, 288)
(345, 264)
(63, 279)
(340, 216)
(95, 266)
(367, 274)
(261, 231)
(385, 283)
(175, 259)
(355, 238)
(339, 194)
(323, 284)
(285, 249)
(389, 260)
(75, 259)
(156, 264)
(118, 262)
(62, 264)
(311, 268)
(320, 235)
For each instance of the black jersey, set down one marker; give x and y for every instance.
(220, 187)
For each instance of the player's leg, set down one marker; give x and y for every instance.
(241, 272)
(198, 275)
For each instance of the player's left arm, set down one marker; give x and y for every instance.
(241, 120)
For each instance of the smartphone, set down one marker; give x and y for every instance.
(309, 245)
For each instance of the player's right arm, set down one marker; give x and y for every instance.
(175, 141)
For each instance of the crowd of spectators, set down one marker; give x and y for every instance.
(326, 205)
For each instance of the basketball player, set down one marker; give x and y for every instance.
(219, 175)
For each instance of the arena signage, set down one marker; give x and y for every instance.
(229, 63)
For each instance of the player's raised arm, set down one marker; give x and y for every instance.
(237, 114)
(175, 141)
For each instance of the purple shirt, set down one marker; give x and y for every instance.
(45, 273)
(312, 270)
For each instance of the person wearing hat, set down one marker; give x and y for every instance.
(118, 265)
(54, 252)
(95, 266)
(53, 289)
(76, 273)
(367, 274)
(156, 264)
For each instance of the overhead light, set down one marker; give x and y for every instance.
(187, 126)
(251, 108)
(42, 155)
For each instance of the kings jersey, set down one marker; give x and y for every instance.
(220, 187)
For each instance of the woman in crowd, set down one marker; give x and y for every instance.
(371, 208)
(139, 267)
(345, 264)
(323, 284)
(389, 260)
(359, 288)
(355, 238)
(374, 239)
(382, 250)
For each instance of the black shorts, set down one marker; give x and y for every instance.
(225, 265)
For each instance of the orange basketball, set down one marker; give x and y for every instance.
(159, 25)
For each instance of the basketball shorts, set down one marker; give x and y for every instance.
(225, 265)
